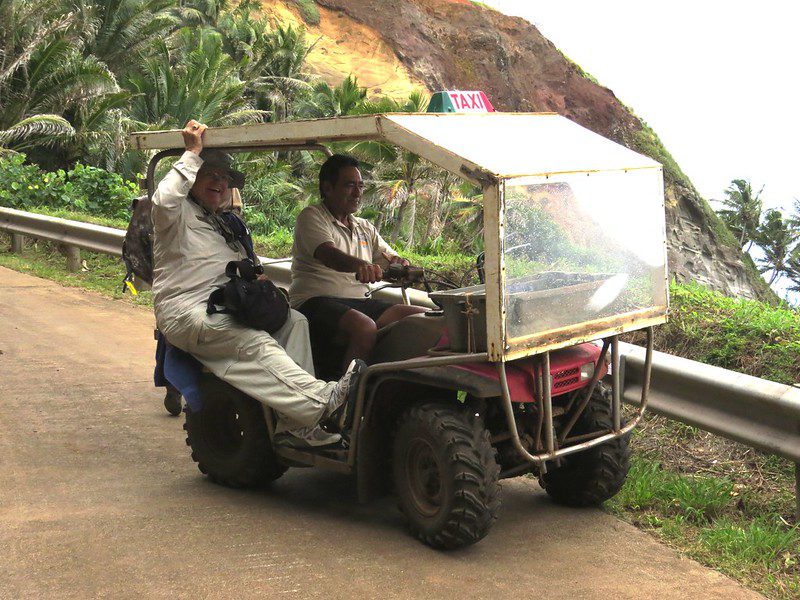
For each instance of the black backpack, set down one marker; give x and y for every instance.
(137, 247)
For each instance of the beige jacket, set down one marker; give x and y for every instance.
(189, 255)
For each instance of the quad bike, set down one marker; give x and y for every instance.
(519, 374)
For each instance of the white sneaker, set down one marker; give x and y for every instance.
(345, 388)
(307, 437)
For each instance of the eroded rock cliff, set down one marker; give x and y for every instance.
(395, 45)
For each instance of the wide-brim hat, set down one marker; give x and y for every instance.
(214, 158)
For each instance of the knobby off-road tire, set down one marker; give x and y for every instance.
(446, 475)
(229, 438)
(591, 477)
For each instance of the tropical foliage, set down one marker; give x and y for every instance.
(77, 76)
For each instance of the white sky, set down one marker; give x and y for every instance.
(718, 81)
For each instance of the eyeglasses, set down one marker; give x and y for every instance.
(217, 175)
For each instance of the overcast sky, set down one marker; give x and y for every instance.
(718, 81)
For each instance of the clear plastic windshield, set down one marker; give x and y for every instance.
(581, 248)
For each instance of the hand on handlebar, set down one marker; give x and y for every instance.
(396, 260)
(368, 273)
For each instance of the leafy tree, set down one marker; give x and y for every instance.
(743, 211)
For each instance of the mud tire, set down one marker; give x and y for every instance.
(229, 438)
(446, 475)
(591, 477)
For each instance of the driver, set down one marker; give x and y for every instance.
(190, 252)
(330, 246)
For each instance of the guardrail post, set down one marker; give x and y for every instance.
(17, 242)
(797, 491)
(73, 254)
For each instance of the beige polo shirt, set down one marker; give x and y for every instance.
(310, 278)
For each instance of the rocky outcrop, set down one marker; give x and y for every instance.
(458, 45)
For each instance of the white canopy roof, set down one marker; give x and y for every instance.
(502, 145)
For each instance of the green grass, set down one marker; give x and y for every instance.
(696, 498)
(704, 517)
(80, 216)
(743, 335)
(102, 273)
(647, 142)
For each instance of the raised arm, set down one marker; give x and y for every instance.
(174, 188)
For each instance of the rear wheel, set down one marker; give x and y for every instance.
(229, 438)
(446, 475)
(591, 477)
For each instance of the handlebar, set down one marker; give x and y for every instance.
(401, 274)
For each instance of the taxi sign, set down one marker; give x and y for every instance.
(458, 101)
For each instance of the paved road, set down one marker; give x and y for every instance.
(99, 498)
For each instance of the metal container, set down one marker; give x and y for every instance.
(535, 300)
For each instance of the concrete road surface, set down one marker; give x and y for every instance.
(99, 497)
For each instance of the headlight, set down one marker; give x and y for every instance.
(587, 371)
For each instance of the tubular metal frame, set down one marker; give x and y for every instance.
(151, 167)
(383, 372)
(553, 453)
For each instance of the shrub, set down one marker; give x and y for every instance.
(308, 10)
(83, 189)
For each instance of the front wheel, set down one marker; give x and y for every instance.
(591, 477)
(229, 438)
(446, 475)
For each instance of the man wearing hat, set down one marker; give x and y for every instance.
(191, 249)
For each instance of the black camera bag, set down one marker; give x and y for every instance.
(257, 304)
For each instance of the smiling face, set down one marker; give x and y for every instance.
(344, 197)
(211, 188)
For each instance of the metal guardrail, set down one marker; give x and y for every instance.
(755, 412)
(108, 240)
(95, 238)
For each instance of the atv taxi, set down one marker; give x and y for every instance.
(519, 374)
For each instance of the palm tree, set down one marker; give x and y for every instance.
(116, 32)
(201, 13)
(248, 41)
(444, 182)
(284, 79)
(793, 269)
(397, 172)
(43, 74)
(776, 237)
(347, 98)
(191, 77)
(743, 212)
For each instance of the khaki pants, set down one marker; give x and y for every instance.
(272, 369)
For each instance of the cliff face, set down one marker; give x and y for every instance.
(453, 44)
